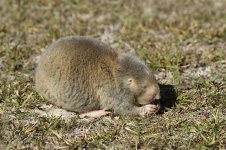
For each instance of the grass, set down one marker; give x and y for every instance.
(182, 41)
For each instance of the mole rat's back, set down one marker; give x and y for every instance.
(69, 70)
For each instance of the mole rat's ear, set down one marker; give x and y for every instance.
(130, 81)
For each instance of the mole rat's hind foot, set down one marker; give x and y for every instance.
(94, 114)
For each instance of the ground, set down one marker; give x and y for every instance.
(183, 42)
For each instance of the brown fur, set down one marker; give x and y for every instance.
(81, 75)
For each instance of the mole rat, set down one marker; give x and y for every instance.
(82, 75)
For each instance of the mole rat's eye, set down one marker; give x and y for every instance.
(144, 86)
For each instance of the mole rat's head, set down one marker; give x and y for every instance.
(139, 79)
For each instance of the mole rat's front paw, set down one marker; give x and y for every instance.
(148, 109)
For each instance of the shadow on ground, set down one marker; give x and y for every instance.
(168, 97)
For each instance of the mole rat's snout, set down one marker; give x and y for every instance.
(150, 95)
(157, 97)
